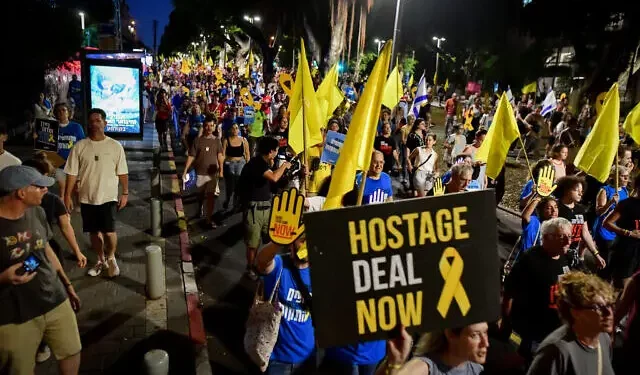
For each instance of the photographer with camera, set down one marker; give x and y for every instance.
(254, 194)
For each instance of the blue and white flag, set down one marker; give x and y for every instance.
(549, 104)
(421, 97)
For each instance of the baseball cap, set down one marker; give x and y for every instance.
(17, 177)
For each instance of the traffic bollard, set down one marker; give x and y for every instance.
(155, 272)
(156, 217)
(156, 362)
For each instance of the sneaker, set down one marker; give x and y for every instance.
(113, 269)
(43, 353)
(96, 270)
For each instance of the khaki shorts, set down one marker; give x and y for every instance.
(208, 185)
(256, 223)
(19, 342)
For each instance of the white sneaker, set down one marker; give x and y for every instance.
(113, 269)
(96, 270)
(43, 353)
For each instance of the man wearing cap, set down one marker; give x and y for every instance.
(36, 305)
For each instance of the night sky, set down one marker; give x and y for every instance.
(145, 11)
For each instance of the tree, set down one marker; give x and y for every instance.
(44, 38)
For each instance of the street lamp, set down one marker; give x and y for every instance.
(81, 14)
(437, 40)
(379, 42)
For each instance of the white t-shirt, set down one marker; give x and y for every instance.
(7, 159)
(97, 165)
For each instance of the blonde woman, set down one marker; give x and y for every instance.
(460, 351)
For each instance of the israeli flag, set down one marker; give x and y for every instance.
(549, 104)
(421, 97)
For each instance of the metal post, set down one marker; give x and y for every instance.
(156, 217)
(155, 272)
(156, 362)
(395, 32)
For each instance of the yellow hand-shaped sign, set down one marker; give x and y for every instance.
(451, 265)
(438, 189)
(285, 224)
(546, 185)
(284, 79)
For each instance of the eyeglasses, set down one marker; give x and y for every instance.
(602, 309)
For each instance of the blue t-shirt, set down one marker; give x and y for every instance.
(296, 341)
(530, 235)
(68, 136)
(367, 353)
(376, 191)
(598, 229)
(526, 190)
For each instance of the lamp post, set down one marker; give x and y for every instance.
(395, 32)
(379, 43)
(438, 40)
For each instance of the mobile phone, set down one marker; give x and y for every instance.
(30, 265)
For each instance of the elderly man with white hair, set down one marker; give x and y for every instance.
(529, 305)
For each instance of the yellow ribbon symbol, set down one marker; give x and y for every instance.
(451, 272)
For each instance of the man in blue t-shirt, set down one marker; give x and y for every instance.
(378, 187)
(295, 349)
(69, 133)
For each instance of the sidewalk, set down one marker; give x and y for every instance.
(117, 323)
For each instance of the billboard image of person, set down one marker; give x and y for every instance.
(116, 90)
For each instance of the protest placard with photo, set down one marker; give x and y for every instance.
(427, 263)
(47, 131)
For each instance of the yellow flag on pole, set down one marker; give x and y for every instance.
(530, 88)
(598, 151)
(392, 89)
(355, 154)
(304, 110)
(632, 124)
(503, 131)
(328, 94)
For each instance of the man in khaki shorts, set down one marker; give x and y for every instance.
(36, 304)
(255, 195)
(205, 155)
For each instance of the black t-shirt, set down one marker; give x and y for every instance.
(252, 184)
(386, 145)
(532, 284)
(577, 217)
(53, 207)
(21, 237)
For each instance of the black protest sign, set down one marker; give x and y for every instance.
(47, 131)
(427, 263)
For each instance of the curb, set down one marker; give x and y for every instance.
(197, 332)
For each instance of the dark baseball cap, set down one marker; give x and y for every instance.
(17, 177)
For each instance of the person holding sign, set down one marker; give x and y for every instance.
(459, 351)
(377, 188)
(295, 350)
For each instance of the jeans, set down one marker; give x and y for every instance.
(281, 368)
(232, 170)
(337, 368)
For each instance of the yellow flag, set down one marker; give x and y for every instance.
(446, 85)
(502, 133)
(530, 88)
(185, 68)
(328, 94)
(358, 145)
(392, 89)
(410, 83)
(306, 119)
(632, 124)
(247, 72)
(598, 151)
